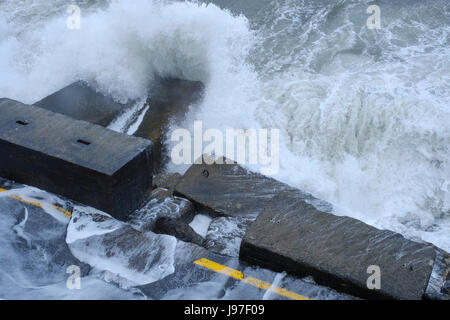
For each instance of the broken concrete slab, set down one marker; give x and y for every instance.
(230, 190)
(169, 100)
(161, 204)
(293, 236)
(76, 159)
(178, 229)
(81, 102)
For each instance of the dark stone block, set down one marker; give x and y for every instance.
(293, 236)
(230, 190)
(169, 100)
(81, 102)
(79, 160)
(187, 274)
(178, 229)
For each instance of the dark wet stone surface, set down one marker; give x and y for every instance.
(293, 236)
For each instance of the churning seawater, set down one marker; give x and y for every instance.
(364, 114)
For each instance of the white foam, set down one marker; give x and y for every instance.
(19, 228)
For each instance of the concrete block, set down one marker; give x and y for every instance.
(168, 100)
(87, 163)
(161, 203)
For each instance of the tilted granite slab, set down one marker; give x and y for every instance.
(293, 236)
(231, 190)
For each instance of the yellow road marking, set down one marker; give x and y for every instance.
(236, 274)
(65, 212)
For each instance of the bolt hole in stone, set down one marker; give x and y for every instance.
(206, 173)
(84, 142)
(22, 122)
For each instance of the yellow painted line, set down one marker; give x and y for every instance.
(65, 212)
(236, 274)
